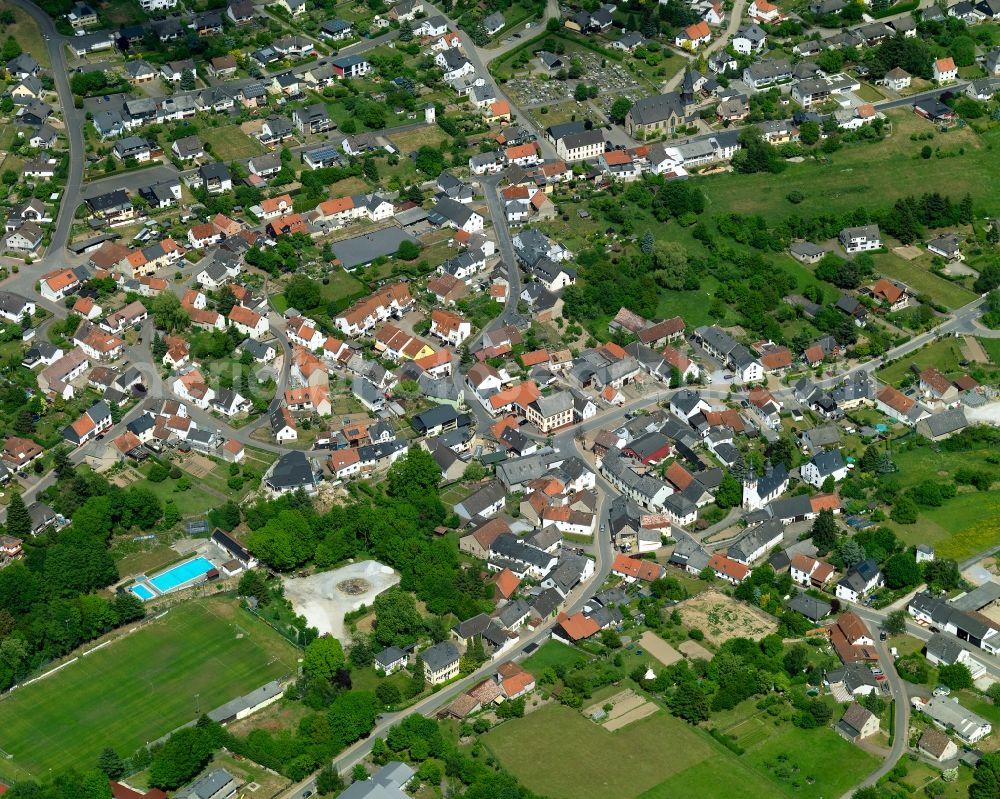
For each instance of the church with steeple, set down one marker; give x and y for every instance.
(759, 491)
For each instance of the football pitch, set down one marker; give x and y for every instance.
(134, 690)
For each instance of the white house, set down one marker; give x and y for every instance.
(860, 239)
(829, 463)
(248, 322)
(945, 70)
(859, 581)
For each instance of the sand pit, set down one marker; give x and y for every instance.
(721, 617)
(326, 597)
(659, 648)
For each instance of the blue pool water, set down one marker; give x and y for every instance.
(181, 574)
(142, 592)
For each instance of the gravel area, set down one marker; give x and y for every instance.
(326, 597)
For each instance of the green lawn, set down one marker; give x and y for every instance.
(848, 181)
(229, 143)
(869, 93)
(951, 295)
(992, 347)
(707, 780)
(193, 502)
(962, 526)
(574, 758)
(944, 355)
(550, 654)
(661, 757)
(200, 655)
(834, 764)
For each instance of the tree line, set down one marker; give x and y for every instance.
(48, 604)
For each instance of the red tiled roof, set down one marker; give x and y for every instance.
(824, 502)
(896, 400)
(634, 567)
(506, 582)
(728, 567)
(577, 627)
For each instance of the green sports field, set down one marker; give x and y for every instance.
(201, 654)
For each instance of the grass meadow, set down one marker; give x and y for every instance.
(661, 757)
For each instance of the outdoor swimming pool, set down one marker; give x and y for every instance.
(142, 592)
(181, 574)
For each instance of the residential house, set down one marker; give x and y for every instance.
(810, 572)
(945, 70)
(824, 465)
(858, 723)
(860, 580)
(441, 662)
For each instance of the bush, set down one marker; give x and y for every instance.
(158, 473)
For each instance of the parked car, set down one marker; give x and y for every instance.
(942, 690)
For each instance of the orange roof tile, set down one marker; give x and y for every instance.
(336, 205)
(506, 582)
(634, 567)
(535, 358)
(700, 29)
(730, 568)
(616, 158)
(824, 502)
(578, 626)
(512, 686)
(521, 151)
(274, 203)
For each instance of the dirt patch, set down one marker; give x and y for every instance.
(908, 252)
(973, 351)
(720, 618)
(646, 709)
(197, 465)
(693, 650)
(122, 479)
(659, 648)
(626, 707)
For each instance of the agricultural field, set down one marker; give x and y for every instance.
(721, 617)
(140, 687)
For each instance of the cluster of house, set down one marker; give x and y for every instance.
(26, 222)
(960, 625)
